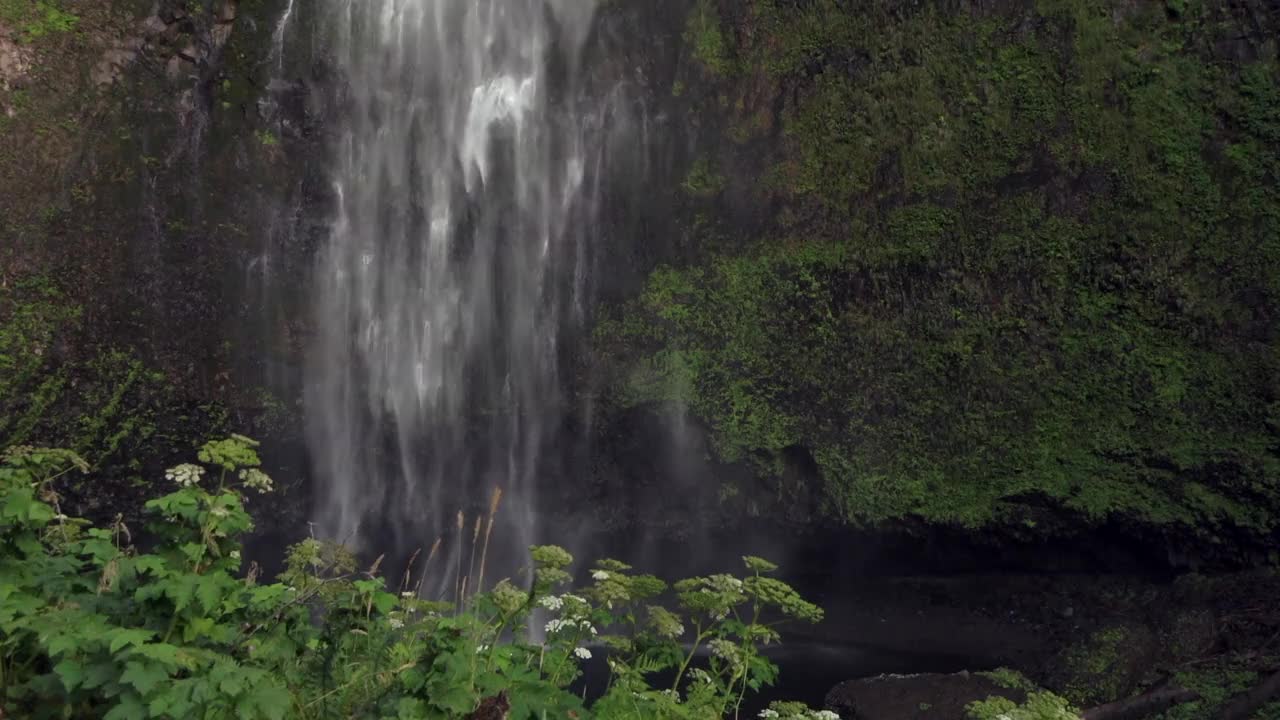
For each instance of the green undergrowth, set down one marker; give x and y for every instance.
(706, 36)
(1039, 706)
(1100, 667)
(104, 403)
(92, 626)
(34, 19)
(1217, 683)
(1025, 263)
(1010, 678)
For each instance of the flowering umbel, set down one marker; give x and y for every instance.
(185, 475)
(255, 479)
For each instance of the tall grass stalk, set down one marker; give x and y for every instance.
(494, 501)
(457, 578)
(471, 565)
(426, 567)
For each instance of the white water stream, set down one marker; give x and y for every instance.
(459, 256)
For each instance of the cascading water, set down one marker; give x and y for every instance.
(458, 260)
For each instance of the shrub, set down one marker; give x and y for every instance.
(92, 626)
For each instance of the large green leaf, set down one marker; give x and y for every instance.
(144, 676)
(125, 637)
(70, 672)
(266, 700)
(130, 707)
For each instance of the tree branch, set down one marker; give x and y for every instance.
(1244, 704)
(1153, 701)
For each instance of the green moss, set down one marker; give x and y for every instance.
(1217, 682)
(706, 39)
(37, 19)
(1026, 257)
(1011, 679)
(1096, 669)
(702, 181)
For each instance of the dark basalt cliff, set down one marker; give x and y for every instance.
(999, 272)
(1007, 269)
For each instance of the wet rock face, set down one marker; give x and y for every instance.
(14, 61)
(142, 169)
(914, 697)
(184, 43)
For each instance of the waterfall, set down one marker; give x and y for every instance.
(278, 37)
(458, 260)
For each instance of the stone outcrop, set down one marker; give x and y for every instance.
(15, 62)
(915, 697)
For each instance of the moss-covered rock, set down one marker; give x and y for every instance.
(1020, 269)
(1106, 665)
(918, 697)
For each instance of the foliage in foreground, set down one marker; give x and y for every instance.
(93, 626)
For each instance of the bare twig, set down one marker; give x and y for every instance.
(408, 570)
(1244, 704)
(494, 501)
(471, 565)
(457, 578)
(435, 548)
(1153, 701)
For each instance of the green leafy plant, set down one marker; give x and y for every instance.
(1039, 706)
(93, 626)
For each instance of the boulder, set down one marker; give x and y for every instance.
(915, 697)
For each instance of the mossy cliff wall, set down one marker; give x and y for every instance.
(148, 173)
(1006, 266)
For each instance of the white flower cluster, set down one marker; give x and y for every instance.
(582, 653)
(185, 475)
(256, 479)
(555, 626)
(725, 583)
(551, 602)
(770, 714)
(18, 452)
(701, 675)
(600, 575)
(726, 651)
(395, 622)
